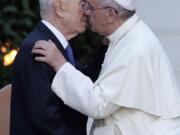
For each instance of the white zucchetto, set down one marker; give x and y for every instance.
(127, 4)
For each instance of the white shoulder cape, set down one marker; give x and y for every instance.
(137, 74)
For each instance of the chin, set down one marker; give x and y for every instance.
(82, 28)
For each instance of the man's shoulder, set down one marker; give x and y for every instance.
(27, 44)
(35, 35)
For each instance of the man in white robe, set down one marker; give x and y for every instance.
(136, 92)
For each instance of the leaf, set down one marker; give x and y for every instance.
(10, 9)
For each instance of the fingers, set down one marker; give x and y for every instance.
(41, 44)
(41, 47)
(50, 41)
(41, 59)
(39, 51)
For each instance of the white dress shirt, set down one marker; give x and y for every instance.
(136, 92)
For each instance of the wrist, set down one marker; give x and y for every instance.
(59, 65)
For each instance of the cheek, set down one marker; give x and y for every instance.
(92, 19)
(78, 15)
(95, 21)
(81, 29)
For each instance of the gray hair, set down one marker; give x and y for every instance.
(122, 12)
(45, 6)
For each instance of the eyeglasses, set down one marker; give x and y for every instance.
(88, 6)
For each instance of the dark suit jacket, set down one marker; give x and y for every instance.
(35, 109)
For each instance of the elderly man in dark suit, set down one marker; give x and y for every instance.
(35, 109)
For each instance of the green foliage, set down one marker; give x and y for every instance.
(17, 19)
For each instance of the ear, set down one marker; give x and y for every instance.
(112, 15)
(59, 8)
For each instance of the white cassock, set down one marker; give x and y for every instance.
(136, 92)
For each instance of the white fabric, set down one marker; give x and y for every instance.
(136, 92)
(139, 57)
(100, 107)
(57, 33)
(127, 4)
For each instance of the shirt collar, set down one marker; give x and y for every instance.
(57, 33)
(123, 29)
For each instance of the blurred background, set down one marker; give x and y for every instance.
(164, 19)
(18, 17)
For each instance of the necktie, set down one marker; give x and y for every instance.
(70, 55)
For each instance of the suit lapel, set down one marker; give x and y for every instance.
(52, 37)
